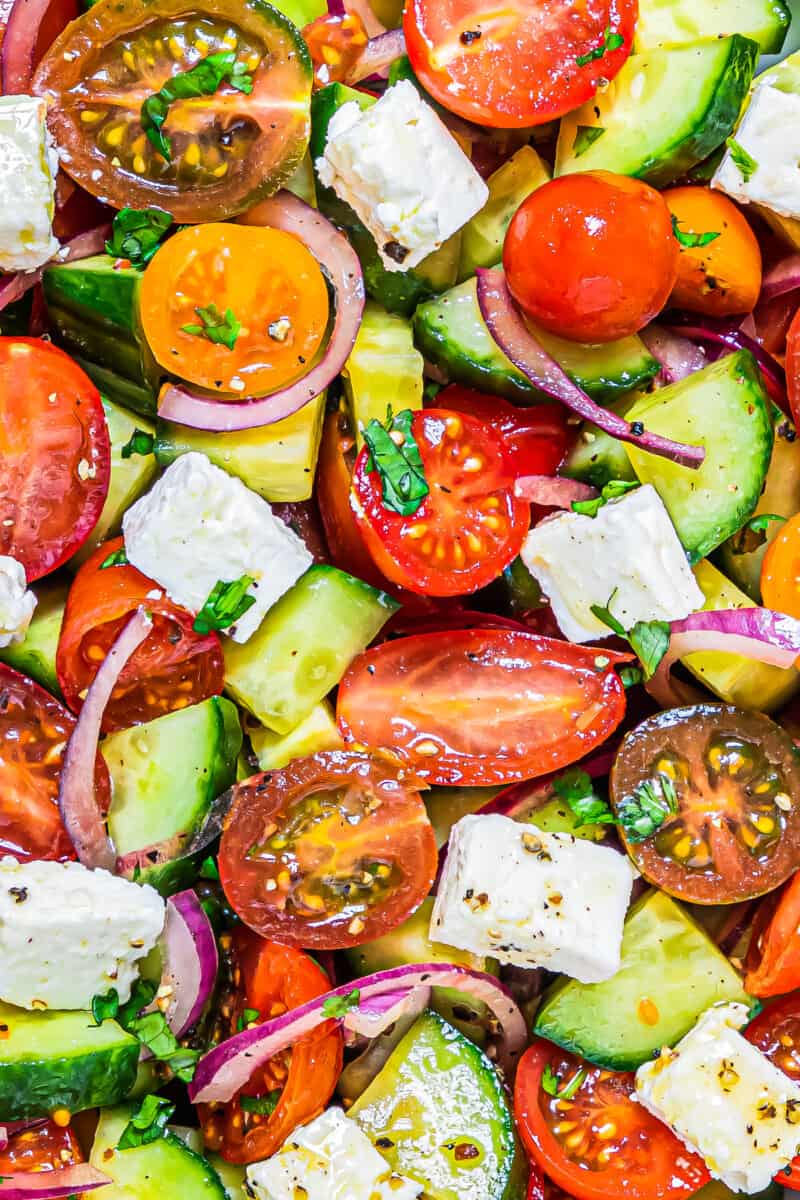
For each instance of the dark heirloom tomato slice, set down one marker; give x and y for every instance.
(735, 833)
(34, 730)
(174, 666)
(55, 452)
(331, 851)
(44, 1146)
(482, 706)
(229, 149)
(598, 1143)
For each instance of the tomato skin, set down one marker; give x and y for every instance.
(780, 566)
(777, 969)
(56, 455)
(481, 706)
(793, 366)
(535, 439)
(174, 666)
(776, 1033)
(521, 68)
(647, 1162)
(315, 829)
(274, 979)
(43, 1146)
(591, 257)
(723, 277)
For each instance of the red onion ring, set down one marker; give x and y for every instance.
(13, 287)
(18, 52)
(52, 1185)
(77, 803)
(677, 355)
(517, 342)
(190, 960)
(227, 1067)
(378, 54)
(340, 263)
(782, 278)
(552, 491)
(371, 1018)
(722, 333)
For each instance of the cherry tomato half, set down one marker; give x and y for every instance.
(295, 1085)
(599, 1143)
(518, 63)
(591, 257)
(331, 851)
(776, 1033)
(467, 529)
(174, 666)
(732, 779)
(482, 706)
(34, 730)
(773, 955)
(535, 439)
(780, 567)
(56, 455)
(43, 1146)
(793, 366)
(719, 261)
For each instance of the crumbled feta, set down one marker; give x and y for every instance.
(68, 934)
(328, 1159)
(198, 525)
(28, 165)
(398, 166)
(770, 133)
(629, 551)
(725, 1100)
(531, 898)
(16, 602)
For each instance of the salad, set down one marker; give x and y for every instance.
(399, 600)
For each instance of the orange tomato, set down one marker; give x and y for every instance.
(724, 275)
(234, 308)
(780, 570)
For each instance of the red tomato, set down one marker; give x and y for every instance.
(34, 730)
(519, 63)
(773, 966)
(482, 706)
(295, 1085)
(174, 666)
(592, 257)
(331, 851)
(467, 529)
(623, 1151)
(56, 455)
(776, 1033)
(43, 1146)
(793, 366)
(535, 439)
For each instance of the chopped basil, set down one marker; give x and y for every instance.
(225, 605)
(551, 1083)
(153, 1032)
(337, 1006)
(630, 676)
(264, 1105)
(139, 442)
(209, 868)
(611, 491)
(649, 640)
(136, 234)
(147, 1124)
(745, 162)
(576, 789)
(753, 533)
(202, 79)
(586, 136)
(395, 456)
(221, 329)
(105, 1008)
(118, 559)
(644, 812)
(248, 1016)
(611, 41)
(689, 239)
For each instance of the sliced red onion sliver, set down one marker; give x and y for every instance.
(677, 356)
(552, 491)
(77, 802)
(784, 277)
(17, 56)
(190, 960)
(722, 333)
(373, 1016)
(378, 54)
(340, 263)
(227, 1068)
(13, 287)
(517, 342)
(52, 1185)
(757, 633)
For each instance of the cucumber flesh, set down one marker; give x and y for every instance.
(724, 408)
(384, 369)
(160, 1168)
(597, 458)
(671, 972)
(663, 24)
(483, 236)
(317, 732)
(35, 655)
(664, 112)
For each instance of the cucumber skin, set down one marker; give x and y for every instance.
(31, 1088)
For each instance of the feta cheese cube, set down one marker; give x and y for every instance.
(725, 1100)
(532, 898)
(398, 166)
(68, 934)
(630, 551)
(329, 1159)
(16, 602)
(770, 133)
(198, 525)
(28, 165)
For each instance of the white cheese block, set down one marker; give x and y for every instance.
(28, 165)
(17, 603)
(770, 133)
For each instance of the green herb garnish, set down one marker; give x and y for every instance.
(338, 1006)
(630, 676)
(209, 868)
(611, 491)
(689, 239)
(395, 456)
(611, 41)
(264, 1105)
(153, 1032)
(136, 234)
(551, 1083)
(147, 1124)
(753, 533)
(221, 329)
(118, 559)
(585, 137)
(644, 811)
(202, 79)
(649, 640)
(226, 604)
(248, 1016)
(576, 789)
(139, 442)
(745, 162)
(105, 1008)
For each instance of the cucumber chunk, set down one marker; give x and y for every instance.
(725, 408)
(671, 972)
(438, 1092)
(35, 655)
(384, 369)
(451, 333)
(51, 1060)
(664, 112)
(663, 24)
(483, 236)
(157, 1169)
(304, 645)
(317, 732)
(597, 458)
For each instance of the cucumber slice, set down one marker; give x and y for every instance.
(725, 408)
(317, 732)
(277, 461)
(150, 1172)
(597, 458)
(51, 1060)
(451, 333)
(231, 1176)
(663, 24)
(137, 397)
(446, 805)
(671, 972)
(665, 111)
(483, 236)
(384, 369)
(732, 677)
(436, 1093)
(304, 645)
(35, 655)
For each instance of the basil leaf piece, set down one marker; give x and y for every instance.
(118, 559)
(575, 788)
(337, 1006)
(753, 533)
(571, 1088)
(225, 605)
(147, 1124)
(247, 1017)
(611, 41)
(549, 1081)
(202, 79)
(209, 868)
(398, 462)
(644, 811)
(136, 234)
(105, 1008)
(139, 442)
(142, 993)
(689, 239)
(220, 328)
(611, 491)
(153, 1032)
(649, 640)
(264, 1105)
(745, 162)
(585, 137)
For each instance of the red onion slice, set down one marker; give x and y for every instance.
(782, 278)
(227, 1067)
(552, 491)
(677, 355)
(18, 53)
(190, 960)
(722, 333)
(517, 343)
(93, 241)
(340, 263)
(378, 54)
(80, 812)
(373, 1016)
(52, 1185)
